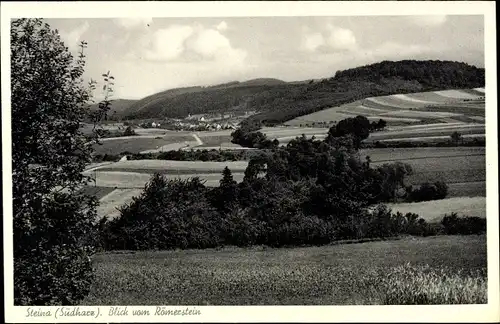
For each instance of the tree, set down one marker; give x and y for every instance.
(456, 137)
(359, 127)
(227, 192)
(54, 223)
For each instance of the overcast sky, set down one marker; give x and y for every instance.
(148, 55)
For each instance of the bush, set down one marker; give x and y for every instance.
(452, 225)
(168, 214)
(53, 265)
(427, 191)
(129, 131)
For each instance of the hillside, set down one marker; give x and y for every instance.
(380, 79)
(180, 102)
(118, 107)
(277, 101)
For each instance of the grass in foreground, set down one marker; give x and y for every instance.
(410, 285)
(326, 275)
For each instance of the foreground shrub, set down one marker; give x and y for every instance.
(452, 224)
(427, 191)
(422, 285)
(168, 214)
(53, 265)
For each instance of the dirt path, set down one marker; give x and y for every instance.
(198, 140)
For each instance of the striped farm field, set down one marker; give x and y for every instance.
(417, 114)
(424, 133)
(397, 132)
(389, 154)
(409, 108)
(456, 94)
(409, 98)
(468, 110)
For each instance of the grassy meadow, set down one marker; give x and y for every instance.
(448, 269)
(138, 144)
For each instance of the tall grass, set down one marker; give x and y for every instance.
(423, 285)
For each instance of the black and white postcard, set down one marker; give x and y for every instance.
(201, 161)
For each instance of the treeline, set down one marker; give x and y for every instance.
(106, 133)
(309, 192)
(249, 136)
(184, 155)
(430, 74)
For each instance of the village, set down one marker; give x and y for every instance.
(199, 122)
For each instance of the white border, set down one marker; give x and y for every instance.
(466, 313)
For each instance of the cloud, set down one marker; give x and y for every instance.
(73, 37)
(130, 23)
(167, 44)
(222, 26)
(341, 38)
(186, 43)
(211, 44)
(312, 42)
(331, 38)
(428, 20)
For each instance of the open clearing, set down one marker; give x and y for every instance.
(435, 210)
(326, 275)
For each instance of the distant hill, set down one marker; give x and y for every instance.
(181, 102)
(379, 79)
(277, 101)
(118, 106)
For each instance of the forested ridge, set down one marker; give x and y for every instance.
(277, 102)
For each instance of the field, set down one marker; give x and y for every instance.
(328, 275)
(429, 132)
(406, 109)
(462, 168)
(136, 144)
(434, 210)
(414, 116)
(429, 116)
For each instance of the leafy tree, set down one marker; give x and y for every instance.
(359, 127)
(381, 124)
(54, 223)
